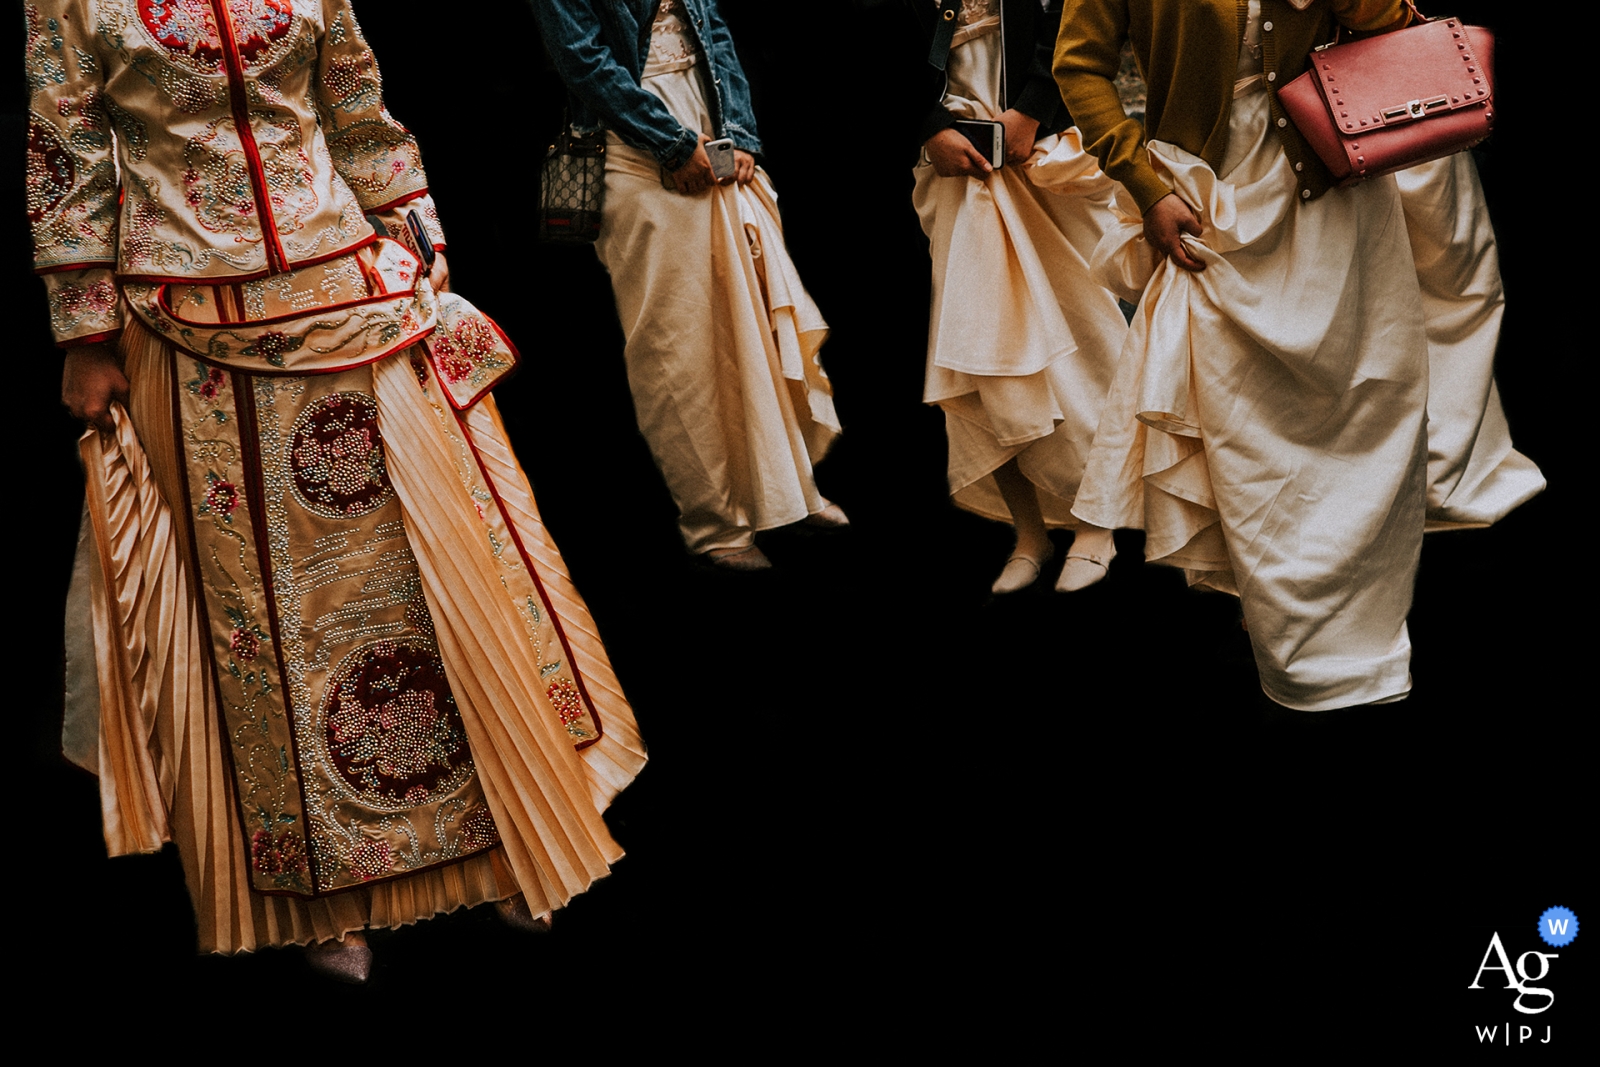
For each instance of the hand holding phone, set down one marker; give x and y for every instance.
(987, 136)
(953, 156)
(720, 153)
(695, 175)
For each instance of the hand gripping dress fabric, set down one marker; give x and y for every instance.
(1021, 340)
(721, 336)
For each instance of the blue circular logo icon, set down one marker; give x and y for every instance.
(1558, 926)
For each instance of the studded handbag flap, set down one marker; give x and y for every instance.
(1385, 103)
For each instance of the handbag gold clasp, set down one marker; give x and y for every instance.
(1414, 109)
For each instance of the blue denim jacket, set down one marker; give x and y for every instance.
(599, 47)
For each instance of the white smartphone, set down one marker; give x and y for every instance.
(720, 152)
(987, 136)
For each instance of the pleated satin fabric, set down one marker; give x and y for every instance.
(722, 339)
(1267, 426)
(616, 759)
(536, 786)
(1475, 476)
(164, 774)
(1021, 341)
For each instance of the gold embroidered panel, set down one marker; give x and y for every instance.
(351, 760)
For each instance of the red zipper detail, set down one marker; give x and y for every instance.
(277, 259)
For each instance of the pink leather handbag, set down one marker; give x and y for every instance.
(1389, 102)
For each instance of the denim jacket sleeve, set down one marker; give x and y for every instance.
(576, 39)
(729, 84)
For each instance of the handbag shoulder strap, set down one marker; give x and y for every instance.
(944, 31)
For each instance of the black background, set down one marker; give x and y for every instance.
(878, 803)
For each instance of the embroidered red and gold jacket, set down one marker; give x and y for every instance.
(203, 140)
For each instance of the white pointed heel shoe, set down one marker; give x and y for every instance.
(831, 517)
(1020, 571)
(1086, 566)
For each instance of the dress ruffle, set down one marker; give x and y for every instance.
(1475, 476)
(722, 339)
(1267, 423)
(1020, 341)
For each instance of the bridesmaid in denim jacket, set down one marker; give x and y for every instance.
(722, 338)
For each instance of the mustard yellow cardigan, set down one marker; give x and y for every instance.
(1188, 52)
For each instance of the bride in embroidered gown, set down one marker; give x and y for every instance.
(336, 658)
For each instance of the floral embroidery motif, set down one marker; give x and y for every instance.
(371, 859)
(478, 829)
(142, 216)
(393, 731)
(245, 644)
(567, 701)
(89, 131)
(190, 94)
(245, 640)
(272, 346)
(68, 197)
(210, 384)
(467, 350)
(188, 31)
(469, 353)
(352, 82)
(47, 64)
(283, 854)
(184, 28)
(336, 457)
(50, 170)
(221, 498)
(217, 183)
(380, 162)
(72, 306)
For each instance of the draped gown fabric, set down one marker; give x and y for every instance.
(1475, 476)
(722, 338)
(1021, 341)
(1267, 426)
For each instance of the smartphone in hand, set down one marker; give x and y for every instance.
(987, 136)
(720, 152)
